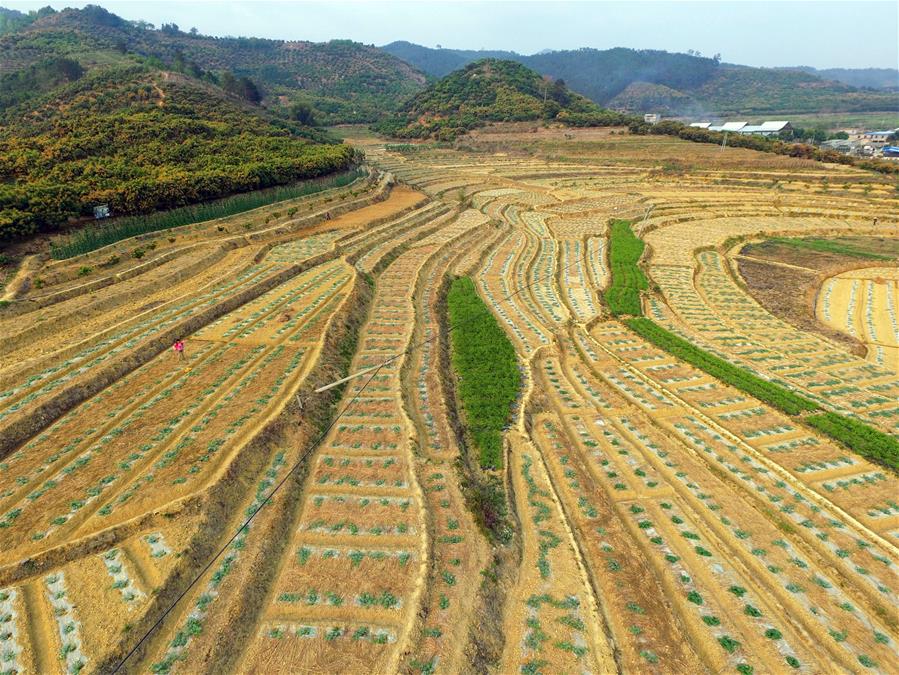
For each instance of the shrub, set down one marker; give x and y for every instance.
(728, 643)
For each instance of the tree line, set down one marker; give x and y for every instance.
(777, 146)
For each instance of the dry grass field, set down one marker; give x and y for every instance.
(219, 514)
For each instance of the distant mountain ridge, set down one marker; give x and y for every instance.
(659, 81)
(886, 79)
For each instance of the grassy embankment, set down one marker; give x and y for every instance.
(829, 246)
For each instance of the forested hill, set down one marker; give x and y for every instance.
(658, 81)
(84, 121)
(342, 81)
(491, 90)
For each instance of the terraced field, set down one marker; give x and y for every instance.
(863, 303)
(238, 511)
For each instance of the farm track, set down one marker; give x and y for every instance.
(667, 522)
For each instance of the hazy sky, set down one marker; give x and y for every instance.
(814, 33)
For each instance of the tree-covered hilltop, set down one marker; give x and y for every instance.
(83, 123)
(339, 81)
(646, 80)
(491, 90)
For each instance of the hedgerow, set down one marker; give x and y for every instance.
(92, 237)
(858, 437)
(769, 392)
(487, 369)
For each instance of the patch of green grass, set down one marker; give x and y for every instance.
(487, 368)
(829, 246)
(858, 437)
(625, 249)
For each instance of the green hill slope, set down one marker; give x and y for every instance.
(491, 90)
(84, 123)
(342, 81)
(658, 81)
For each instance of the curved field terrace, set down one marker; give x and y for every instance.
(537, 403)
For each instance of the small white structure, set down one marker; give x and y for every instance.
(767, 128)
(733, 127)
(771, 128)
(651, 118)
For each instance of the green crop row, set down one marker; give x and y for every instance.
(769, 392)
(625, 249)
(486, 367)
(858, 437)
(92, 237)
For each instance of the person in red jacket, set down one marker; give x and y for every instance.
(179, 348)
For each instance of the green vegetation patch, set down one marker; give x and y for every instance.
(486, 367)
(625, 249)
(137, 141)
(858, 437)
(830, 246)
